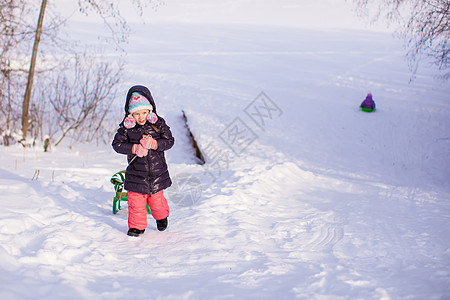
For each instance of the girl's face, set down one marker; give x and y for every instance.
(141, 116)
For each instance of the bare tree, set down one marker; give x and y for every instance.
(82, 97)
(27, 98)
(108, 11)
(14, 32)
(424, 26)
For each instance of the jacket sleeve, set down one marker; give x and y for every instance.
(120, 143)
(166, 140)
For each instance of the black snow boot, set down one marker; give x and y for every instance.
(161, 224)
(135, 232)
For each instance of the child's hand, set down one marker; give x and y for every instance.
(149, 143)
(139, 150)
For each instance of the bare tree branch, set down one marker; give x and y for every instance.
(83, 96)
(424, 25)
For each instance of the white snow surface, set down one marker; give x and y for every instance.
(322, 201)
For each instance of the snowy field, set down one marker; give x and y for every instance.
(302, 196)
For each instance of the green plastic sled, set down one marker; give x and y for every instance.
(367, 109)
(120, 194)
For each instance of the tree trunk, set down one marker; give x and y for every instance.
(27, 98)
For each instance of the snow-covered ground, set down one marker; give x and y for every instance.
(303, 195)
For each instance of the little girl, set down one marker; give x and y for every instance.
(144, 136)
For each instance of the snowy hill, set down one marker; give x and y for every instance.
(311, 199)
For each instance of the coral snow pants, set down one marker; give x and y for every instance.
(137, 209)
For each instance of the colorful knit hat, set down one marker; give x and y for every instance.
(138, 102)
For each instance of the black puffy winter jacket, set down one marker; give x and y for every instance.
(148, 174)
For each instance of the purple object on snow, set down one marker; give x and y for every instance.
(368, 103)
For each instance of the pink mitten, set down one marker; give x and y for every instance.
(149, 143)
(139, 150)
